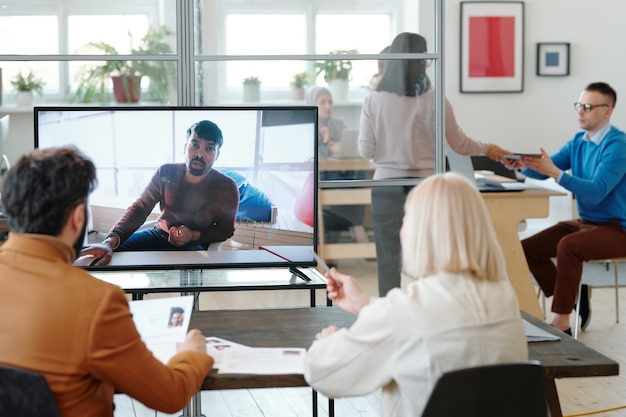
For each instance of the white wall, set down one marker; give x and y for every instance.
(543, 114)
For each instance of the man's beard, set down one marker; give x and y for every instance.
(196, 171)
(78, 244)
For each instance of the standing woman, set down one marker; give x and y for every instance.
(397, 135)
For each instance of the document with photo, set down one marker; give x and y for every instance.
(235, 358)
(218, 348)
(263, 361)
(162, 323)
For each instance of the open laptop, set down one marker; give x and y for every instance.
(349, 147)
(462, 165)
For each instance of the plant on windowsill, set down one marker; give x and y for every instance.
(336, 73)
(26, 86)
(126, 75)
(299, 82)
(251, 89)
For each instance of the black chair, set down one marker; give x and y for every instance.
(502, 390)
(25, 394)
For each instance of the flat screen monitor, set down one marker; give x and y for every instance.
(269, 152)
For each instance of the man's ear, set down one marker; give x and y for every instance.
(77, 218)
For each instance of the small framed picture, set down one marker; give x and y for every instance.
(553, 59)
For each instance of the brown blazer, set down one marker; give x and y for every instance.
(77, 331)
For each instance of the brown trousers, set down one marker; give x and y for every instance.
(571, 243)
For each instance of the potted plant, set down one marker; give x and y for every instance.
(336, 73)
(26, 86)
(251, 89)
(299, 82)
(126, 75)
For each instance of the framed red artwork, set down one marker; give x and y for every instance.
(492, 47)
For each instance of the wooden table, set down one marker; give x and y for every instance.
(507, 210)
(567, 358)
(296, 327)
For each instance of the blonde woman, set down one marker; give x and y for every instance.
(456, 308)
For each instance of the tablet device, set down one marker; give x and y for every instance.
(521, 155)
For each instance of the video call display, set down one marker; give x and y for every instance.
(270, 153)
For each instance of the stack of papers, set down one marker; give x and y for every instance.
(535, 334)
(235, 358)
(162, 322)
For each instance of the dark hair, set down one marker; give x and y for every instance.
(604, 89)
(175, 310)
(206, 130)
(405, 77)
(44, 186)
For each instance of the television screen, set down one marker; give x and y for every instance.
(269, 153)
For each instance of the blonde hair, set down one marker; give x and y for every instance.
(446, 227)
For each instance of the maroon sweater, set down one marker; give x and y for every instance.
(209, 206)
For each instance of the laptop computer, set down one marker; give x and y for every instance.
(462, 165)
(349, 147)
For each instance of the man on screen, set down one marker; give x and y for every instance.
(198, 204)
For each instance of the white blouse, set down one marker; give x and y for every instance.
(403, 342)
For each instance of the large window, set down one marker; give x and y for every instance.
(232, 40)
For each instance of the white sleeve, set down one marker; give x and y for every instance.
(355, 361)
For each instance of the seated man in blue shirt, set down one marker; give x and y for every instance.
(592, 165)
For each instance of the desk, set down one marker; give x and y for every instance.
(296, 327)
(342, 196)
(567, 358)
(344, 164)
(507, 210)
(139, 283)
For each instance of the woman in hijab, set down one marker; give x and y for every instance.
(330, 128)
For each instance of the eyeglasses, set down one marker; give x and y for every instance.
(588, 107)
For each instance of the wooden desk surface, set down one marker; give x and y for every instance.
(507, 210)
(296, 327)
(344, 164)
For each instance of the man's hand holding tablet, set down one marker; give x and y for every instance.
(517, 156)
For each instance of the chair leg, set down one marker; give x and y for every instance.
(616, 292)
(577, 319)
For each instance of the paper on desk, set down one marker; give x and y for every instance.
(535, 334)
(234, 358)
(153, 319)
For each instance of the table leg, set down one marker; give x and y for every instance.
(313, 302)
(331, 407)
(314, 400)
(194, 408)
(552, 397)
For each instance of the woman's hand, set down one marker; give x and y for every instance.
(326, 332)
(497, 153)
(344, 291)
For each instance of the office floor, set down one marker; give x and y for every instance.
(579, 396)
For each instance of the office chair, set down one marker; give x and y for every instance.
(615, 262)
(511, 390)
(25, 394)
